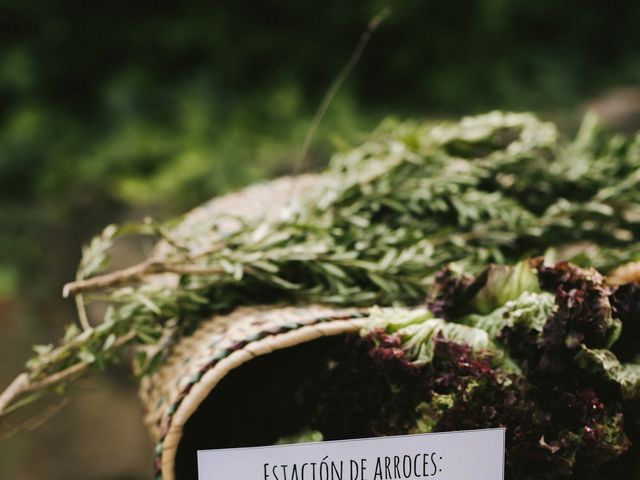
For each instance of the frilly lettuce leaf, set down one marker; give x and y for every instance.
(530, 309)
(606, 364)
(417, 339)
(392, 320)
(505, 283)
(417, 328)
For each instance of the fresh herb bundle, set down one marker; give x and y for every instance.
(381, 221)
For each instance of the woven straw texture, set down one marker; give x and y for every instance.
(220, 216)
(261, 201)
(221, 344)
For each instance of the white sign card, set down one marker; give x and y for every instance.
(465, 455)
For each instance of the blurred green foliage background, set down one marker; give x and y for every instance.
(115, 110)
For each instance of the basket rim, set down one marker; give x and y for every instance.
(262, 342)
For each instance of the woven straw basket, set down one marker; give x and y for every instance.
(214, 389)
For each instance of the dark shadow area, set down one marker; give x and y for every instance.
(257, 403)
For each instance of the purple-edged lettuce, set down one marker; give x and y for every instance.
(549, 351)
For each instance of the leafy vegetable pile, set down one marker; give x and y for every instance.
(382, 220)
(550, 352)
